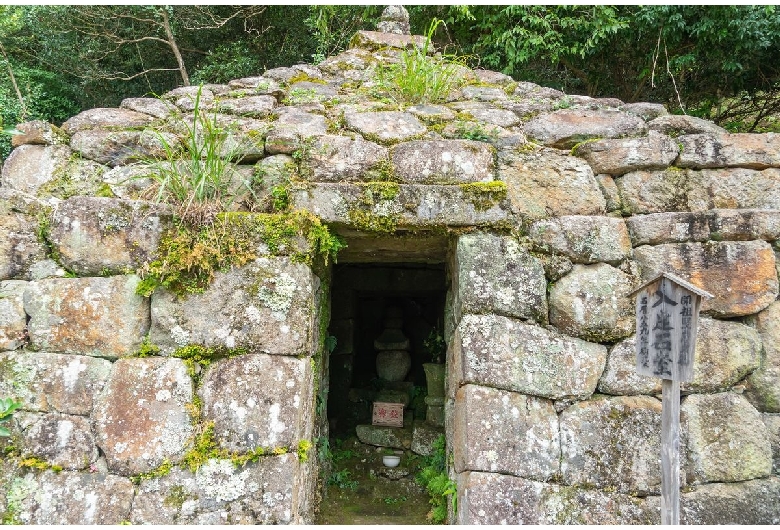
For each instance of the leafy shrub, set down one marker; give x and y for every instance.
(7, 408)
(433, 477)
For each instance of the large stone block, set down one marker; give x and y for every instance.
(494, 274)
(50, 382)
(293, 130)
(265, 306)
(745, 503)
(676, 125)
(29, 167)
(654, 191)
(620, 377)
(96, 236)
(720, 225)
(772, 422)
(332, 158)
(592, 303)
(727, 441)
(72, 498)
(38, 132)
(259, 401)
(443, 162)
(547, 183)
(58, 439)
(565, 128)
(117, 148)
(13, 319)
(734, 188)
(382, 207)
(20, 247)
(583, 238)
(741, 275)
(387, 126)
(102, 118)
(504, 353)
(613, 442)
(749, 150)
(619, 156)
(102, 317)
(505, 432)
(262, 492)
(141, 418)
(764, 383)
(489, 498)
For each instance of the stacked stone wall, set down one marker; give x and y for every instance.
(556, 206)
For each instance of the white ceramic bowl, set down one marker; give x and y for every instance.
(391, 460)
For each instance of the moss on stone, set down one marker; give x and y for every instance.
(371, 222)
(188, 257)
(484, 195)
(160, 471)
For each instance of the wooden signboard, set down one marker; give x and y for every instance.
(388, 414)
(667, 315)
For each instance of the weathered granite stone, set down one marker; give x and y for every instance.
(565, 128)
(28, 167)
(485, 93)
(668, 227)
(654, 191)
(490, 498)
(155, 107)
(740, 275)
(141, 418)
(727, 441)
(257, 85)
(186, 98)
(366, 206)
(103, 118)
(613, 442)
(592, 303)
(96, 235)
(620, 156)
(734, 188)
(60, 440)
(254, 106)
(102, 317)
(292, 130)
(385, 127)
(547, 183)
(505, 432)
(425, 434)
(675, 125)
(259, 401)
(38, 132)
(725, 353)
(13, 319)
(20, 247)
(262, 492)
(620, 377)
(646, 111)
(387, 436)
(504, 353)
(50, 382)
(71, 497)
(754, 151)
(772, 422)
(131, 181)
(443, 162)
(745, 503)
(116, 148)
(764, 383)
(265, 306)
(494, 274)
(744, 225)
(304, 93)
(493, 78)
(528, 90)
(493, 116)
(375, 40)
(339, 158)
(434, 113)
(583, 239)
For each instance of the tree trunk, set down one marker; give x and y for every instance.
(175, 48)
(14, 83)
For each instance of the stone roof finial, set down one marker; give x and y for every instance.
(394, 19)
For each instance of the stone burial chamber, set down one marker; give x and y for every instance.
(158, 387)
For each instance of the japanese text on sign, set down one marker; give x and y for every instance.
(388, 414)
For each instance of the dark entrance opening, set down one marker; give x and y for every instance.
(363, 296)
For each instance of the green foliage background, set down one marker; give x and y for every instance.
(717, 62)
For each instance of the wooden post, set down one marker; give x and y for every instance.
(670, 452)
(667, 313)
